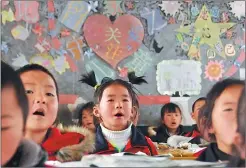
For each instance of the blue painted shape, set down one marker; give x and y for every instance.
(74, 14)
(154, 19)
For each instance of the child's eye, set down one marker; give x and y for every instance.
(29, 92)
(50, 94)
(229, 109)
(125, 100)
(110, 100)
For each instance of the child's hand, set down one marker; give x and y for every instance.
(151, 131)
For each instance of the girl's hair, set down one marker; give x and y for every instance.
(37, 67)
(90, 79)
(80, 109)
(10, 78)
(205, 115)
(169, 108)
(200, 99)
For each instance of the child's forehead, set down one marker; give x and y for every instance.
(37, 77)
(116, 89)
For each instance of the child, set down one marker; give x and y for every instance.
(195, 133)
(63, 144)
(15, 150)
(113, 104)
(86, 117)
(239, 140)
(220, 119)
(171, 123)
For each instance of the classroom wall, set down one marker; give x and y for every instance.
(181, 47)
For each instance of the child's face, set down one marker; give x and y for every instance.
(115, 107)
(224, 123)
(43, 103)
(197, 108)
(12, 126)
(87, 119)
(172, 120)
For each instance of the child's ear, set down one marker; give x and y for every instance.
(134, 109)
(211, 130)
(192, 115)
(96, 111)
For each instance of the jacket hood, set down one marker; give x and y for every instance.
(77, 151)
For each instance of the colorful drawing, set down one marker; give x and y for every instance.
(225, 17)
(113, 41)
(19, 32)
(42, 45)
(75, 47)
(194, 10)
(236, 65)
(93, 5)
(140, 61)
(129, 5)
(112, 7)
(214, 70)
(211, 53)
(4, 47)
(230, 50)
(27, 11)
(123, 72)
(100, 68)
(206, 32)
(20, 60)
(183, 76)
(74, 14)
(42, 59)
(238, 8)
(7, 16)
(4, 3)
(170, 7)
(61, 64)
(38, 29)
(155, 20)
(215, 12)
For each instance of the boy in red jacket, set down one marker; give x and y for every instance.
(42, 91)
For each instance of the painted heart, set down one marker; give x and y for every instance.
(113, 41)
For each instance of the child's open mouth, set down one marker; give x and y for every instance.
(119, 115)
(173, 123)
(39, 112)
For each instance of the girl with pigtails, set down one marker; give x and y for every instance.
(114, 104)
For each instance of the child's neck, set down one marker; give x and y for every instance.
(37, 136)
(172, 131)
(225, 148)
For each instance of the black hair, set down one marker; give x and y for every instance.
(37, 67)
(10, 78)
(169, 108)
(200, 99)
(205, 115)
(90, 79)
(80, 109)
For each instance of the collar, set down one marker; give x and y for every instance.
(137, 139)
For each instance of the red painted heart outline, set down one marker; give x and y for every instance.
(115, 41)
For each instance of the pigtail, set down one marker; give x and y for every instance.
(136, 80)
(89, 79)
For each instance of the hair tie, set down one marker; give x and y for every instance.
(95, 87)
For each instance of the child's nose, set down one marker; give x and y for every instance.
(118, 105)
(39, 99)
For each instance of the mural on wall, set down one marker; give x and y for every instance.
(181, 47)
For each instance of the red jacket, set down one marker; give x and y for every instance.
(68, 144)
(138, 142)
